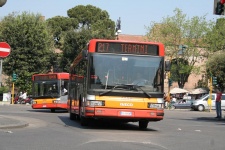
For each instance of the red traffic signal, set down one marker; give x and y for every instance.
(222, 1)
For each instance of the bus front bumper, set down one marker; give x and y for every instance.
(135, 114)
(50, 106)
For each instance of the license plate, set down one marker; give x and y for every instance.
(125, 113)
(44, 106)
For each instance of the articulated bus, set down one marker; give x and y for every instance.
(103, 82)
(49, 91)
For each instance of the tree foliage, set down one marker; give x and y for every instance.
(31, 46)
(176, 31)
(215, 67)
(216, 46)
(215, 38)
(59, 26)
(74, 43)
(92, 23)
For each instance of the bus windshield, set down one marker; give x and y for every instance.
(46, 89)
(109, 71)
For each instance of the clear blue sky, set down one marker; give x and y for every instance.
(135, 14)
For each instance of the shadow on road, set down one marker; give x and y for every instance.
(48, 111)
(103, 125)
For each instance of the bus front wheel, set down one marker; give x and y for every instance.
(52, 110)
(143, 124)
(83, 120)
(72, 116)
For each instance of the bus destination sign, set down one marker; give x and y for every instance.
(46, 77)
(127, 48)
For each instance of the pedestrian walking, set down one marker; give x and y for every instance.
(218, 103)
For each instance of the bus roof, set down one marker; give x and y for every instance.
(47, 76)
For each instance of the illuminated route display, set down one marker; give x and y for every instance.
(127, 48)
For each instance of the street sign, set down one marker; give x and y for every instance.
(4, 49)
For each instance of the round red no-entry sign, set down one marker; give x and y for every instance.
(4, 49)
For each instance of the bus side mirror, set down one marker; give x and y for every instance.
(84, 54)
(167, 65)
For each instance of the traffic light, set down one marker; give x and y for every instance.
(218, 7)
(14, 77)
(214, 80)
(170, 81)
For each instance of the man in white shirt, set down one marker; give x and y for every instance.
(24, 96)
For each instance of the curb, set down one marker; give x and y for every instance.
(14, 126)
(10, 122)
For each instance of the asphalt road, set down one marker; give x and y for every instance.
(180, 130)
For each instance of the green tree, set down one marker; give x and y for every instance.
(92, 23)
(184, 42)
(74, 43)
(215, 67)
(215, 38)
(215, 42)
(31, 47)
(59, 26)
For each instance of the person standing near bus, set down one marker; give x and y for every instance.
(218, 103)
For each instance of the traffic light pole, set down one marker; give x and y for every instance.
(210, 94)
(12, 93)
(0, 72)
(169, 83)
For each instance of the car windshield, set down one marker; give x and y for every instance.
(109, 71)
(203, 96)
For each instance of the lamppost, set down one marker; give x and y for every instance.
(118, 28)
(2, 2)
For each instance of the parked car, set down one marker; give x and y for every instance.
(182, 104)
(203, 102)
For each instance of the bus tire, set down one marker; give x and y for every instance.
(143, 124)
(52, 110)
(83, 120)
(72, 116)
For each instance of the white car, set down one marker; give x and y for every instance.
(203, 103)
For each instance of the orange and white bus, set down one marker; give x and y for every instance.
(49, 91)
(103, 85)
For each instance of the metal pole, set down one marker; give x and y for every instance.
(12, 93)
(210, 94)
(1, 72)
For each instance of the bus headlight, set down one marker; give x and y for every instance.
(56, 101)
(95, 103)
(155, 105)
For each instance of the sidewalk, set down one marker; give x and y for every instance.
(4, 103)
(9, 122)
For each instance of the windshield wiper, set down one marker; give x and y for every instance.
(127, 86)
(146, 93)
